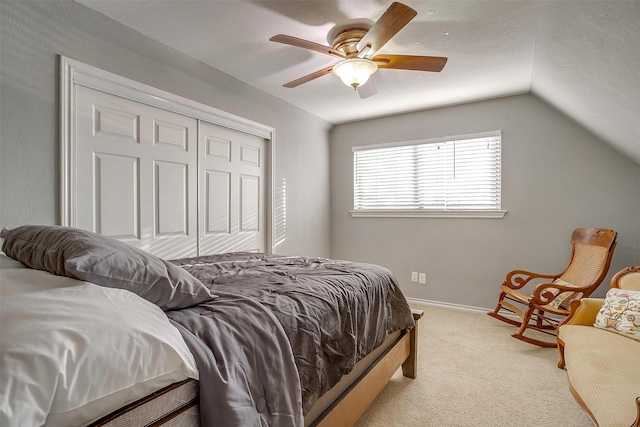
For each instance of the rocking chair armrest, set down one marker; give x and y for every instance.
(583, 312)
(517, 279)
(544, 294)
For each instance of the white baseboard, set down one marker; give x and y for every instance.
(460, 307)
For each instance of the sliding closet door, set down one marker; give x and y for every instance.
(232, 190)
(136, 173)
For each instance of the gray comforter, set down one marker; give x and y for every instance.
(282, 331)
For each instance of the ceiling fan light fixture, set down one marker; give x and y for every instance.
(355, 72)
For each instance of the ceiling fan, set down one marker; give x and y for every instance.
(357, 47)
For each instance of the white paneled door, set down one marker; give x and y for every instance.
(136, 173)
(232, 190)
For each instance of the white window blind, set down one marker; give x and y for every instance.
(457, 174)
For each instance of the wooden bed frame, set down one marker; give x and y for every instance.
(351, 404)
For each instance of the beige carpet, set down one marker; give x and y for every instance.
(471, 372)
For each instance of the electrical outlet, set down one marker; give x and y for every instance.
(414, 276)
(422, 279)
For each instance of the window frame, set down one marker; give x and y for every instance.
(429, 213)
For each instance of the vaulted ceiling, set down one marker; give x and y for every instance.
(581, 56)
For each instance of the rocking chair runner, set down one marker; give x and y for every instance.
(592, 250)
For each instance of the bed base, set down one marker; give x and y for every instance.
(181, 403)
(176, 404)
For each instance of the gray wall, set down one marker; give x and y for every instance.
(32, 34)
(556, 176)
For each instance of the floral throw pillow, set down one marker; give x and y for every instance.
(620, 313)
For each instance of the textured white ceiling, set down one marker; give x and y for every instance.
(581, 56)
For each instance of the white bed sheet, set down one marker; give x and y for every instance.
(72, 352)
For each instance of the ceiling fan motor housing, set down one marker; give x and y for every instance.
(347, 40)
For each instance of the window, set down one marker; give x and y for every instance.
(454, 176)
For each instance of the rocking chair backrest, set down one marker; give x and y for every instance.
(590, 258)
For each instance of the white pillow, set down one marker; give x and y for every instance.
(620, 312)
(75, 352)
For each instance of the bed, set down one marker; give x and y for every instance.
(122, 337)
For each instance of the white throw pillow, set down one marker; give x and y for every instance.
(620, 313)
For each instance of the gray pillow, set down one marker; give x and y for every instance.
(104, 261)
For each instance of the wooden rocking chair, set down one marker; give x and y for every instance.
(592, 250)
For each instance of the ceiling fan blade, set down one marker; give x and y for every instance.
(309, 77)
(366, 90)
(410, 62)
(393, 20)
(306, 44)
